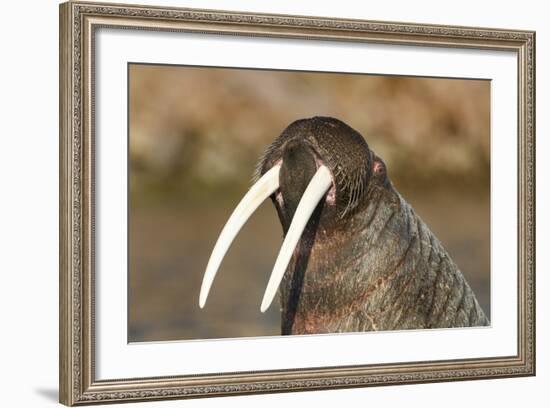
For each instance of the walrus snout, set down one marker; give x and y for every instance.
(299, 164)
(297, 169)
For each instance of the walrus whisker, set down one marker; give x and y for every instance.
(257, 194)
(317, 188)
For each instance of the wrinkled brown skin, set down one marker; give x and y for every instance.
(367, 261)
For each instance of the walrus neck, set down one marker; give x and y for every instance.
(385, 270)
(319, 282)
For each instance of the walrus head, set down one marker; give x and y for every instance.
(302, 149)
(319, 173)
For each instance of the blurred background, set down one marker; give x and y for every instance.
(195, 137)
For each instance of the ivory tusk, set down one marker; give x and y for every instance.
(315, 191)
(257, 194)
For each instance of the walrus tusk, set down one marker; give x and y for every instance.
(257, 194)
(315, 191)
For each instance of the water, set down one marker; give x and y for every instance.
(170, 245)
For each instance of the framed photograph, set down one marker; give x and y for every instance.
(258, 203)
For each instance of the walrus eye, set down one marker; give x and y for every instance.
(317, 188)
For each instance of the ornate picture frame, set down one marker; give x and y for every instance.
(79, 22)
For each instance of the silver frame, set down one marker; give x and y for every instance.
(78, 22)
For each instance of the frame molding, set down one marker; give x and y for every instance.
(78, 20)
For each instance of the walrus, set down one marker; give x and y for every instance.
(355, 255)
